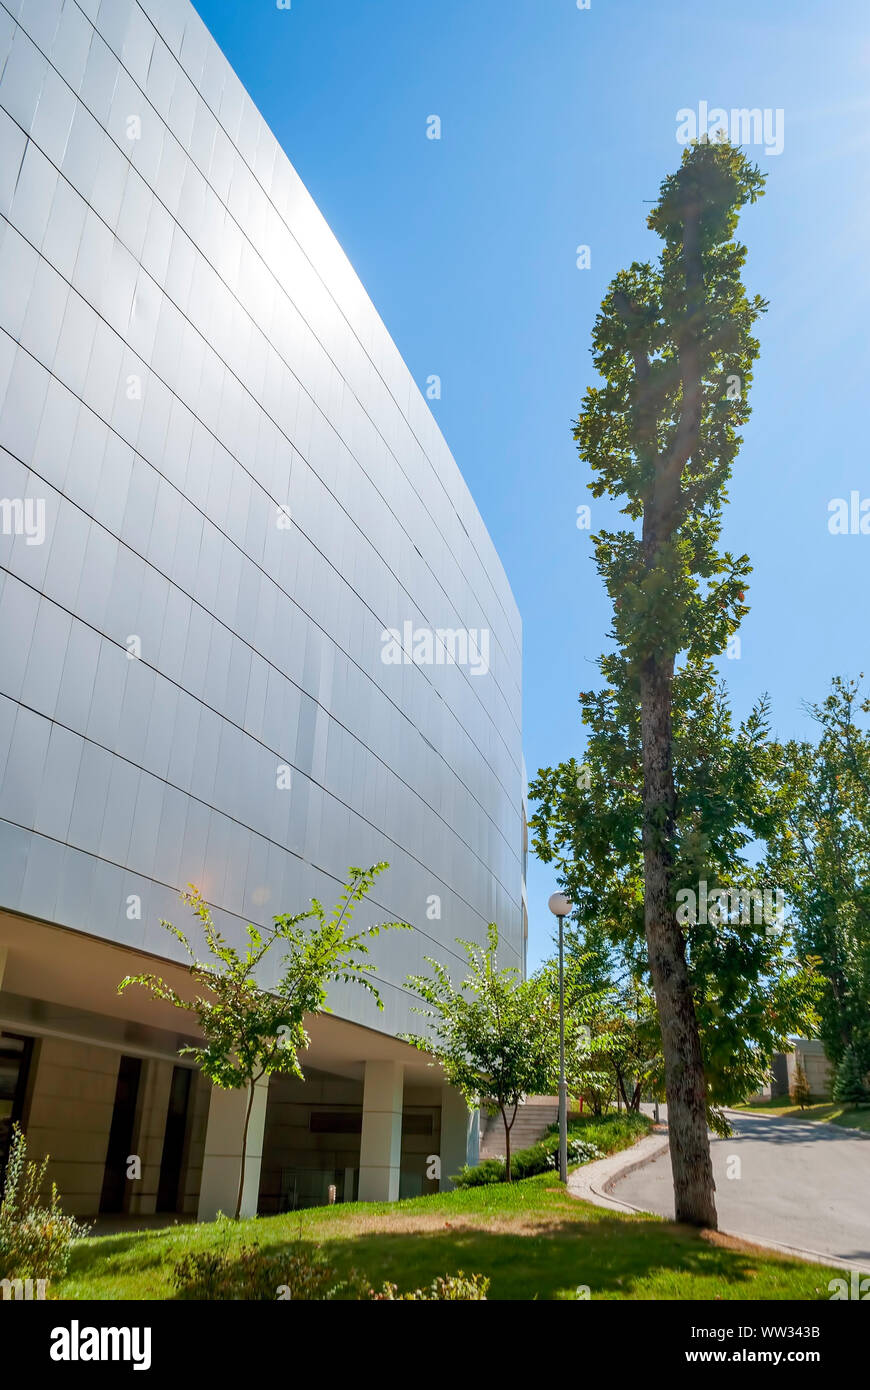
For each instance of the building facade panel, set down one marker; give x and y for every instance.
(222, 489)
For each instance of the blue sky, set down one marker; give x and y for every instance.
(558, 125)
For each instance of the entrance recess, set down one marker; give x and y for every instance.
(121, 1135)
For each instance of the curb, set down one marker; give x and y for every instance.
(593, 1183)
(795, 1120)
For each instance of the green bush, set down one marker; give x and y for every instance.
(451, 1288)
(588, 1138)
(249, 1274)
(35, 1236)
(850, 1084)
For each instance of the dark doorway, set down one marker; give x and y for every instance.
(779, 1075)
(121, 1135)
(15, 1055)
(173, 1140)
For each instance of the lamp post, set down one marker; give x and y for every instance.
(561, 906)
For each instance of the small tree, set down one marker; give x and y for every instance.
(496, 1037)
(850, 1085)
(800, 1087)
(248, 1031)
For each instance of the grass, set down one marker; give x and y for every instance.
(832, 1112)
(531, 1238)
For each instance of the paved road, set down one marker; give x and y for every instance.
(801, 1184)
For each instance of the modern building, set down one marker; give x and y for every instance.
(252, 631)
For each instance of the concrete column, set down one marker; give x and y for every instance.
(70, 1118)
(222, 1158)
(380, 1152)
(460, 1135)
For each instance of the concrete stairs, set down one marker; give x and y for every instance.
(528, 1127)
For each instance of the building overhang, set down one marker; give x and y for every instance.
(62, 982)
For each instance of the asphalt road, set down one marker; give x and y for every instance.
(801, 1184)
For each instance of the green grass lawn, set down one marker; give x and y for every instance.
(832, 1112)
(531, 1238)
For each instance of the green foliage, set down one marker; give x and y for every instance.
(587, 1141)
(663, 332)
(35, 1236)
(527, 1163)
(250, 1032)
(751, 988)
(850, 1082)
(598, 1037)
(820, 852)
(622, 1047)
(496, 1037)
(800, 1089)
(300, 1274)
(447, 1289)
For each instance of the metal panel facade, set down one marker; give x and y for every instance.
(220, 489)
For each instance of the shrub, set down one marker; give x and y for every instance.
(453, 1287)
(588, 1139)
(491, 1170)
(800, 1087)
(249, 1274)
(35, 1236)
(850, 1085)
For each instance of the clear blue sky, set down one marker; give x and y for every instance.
(558, 125)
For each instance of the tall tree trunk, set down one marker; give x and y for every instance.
(681, 1044)
(662, 514)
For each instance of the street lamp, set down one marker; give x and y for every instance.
(561, 907)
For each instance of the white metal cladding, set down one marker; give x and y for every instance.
(185, 350)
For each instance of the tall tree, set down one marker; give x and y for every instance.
(674, 345)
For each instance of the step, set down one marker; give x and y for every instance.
(530, 1125)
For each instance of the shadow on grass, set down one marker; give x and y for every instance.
(106, 1255)
(612, 1258)
(533, 1242)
